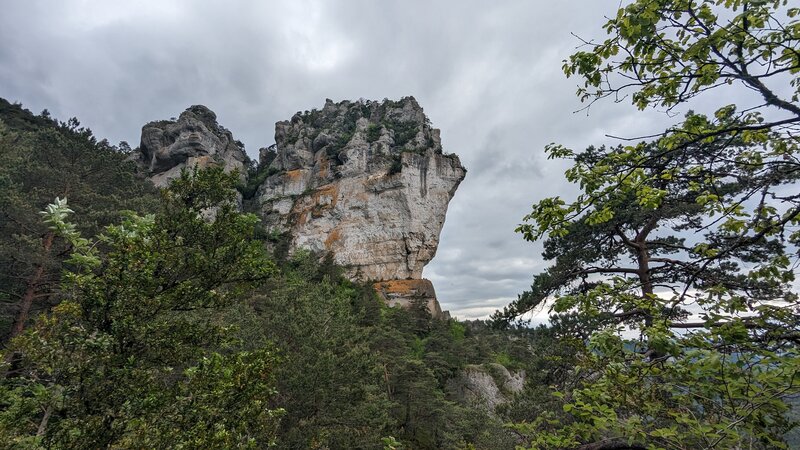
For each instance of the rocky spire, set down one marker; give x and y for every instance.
(194, 139)
(367, 181)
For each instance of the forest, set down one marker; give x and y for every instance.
(139, 317)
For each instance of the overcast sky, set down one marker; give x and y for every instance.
(488, 74)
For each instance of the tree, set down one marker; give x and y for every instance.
(354, 371)
(134, 355)
(43, 159)
(687, 241)
(329, 381)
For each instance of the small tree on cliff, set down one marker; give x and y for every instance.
(689, 240)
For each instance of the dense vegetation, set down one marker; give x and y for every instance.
(42, 159)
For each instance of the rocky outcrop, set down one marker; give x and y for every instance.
(408, 293)
(194, 139)
(365, 180)
(487, 385)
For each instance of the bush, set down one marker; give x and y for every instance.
(373, 132)
(397, 164)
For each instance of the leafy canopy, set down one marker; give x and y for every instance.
(132, 356)
(676, 260)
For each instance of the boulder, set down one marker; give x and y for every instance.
(487, 385)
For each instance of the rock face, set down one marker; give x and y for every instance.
(405, 293)
(487, 385)
(364, 180)
(194, 139)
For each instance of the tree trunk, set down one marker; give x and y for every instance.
(30, 291)
(45, 419)
(643, 260)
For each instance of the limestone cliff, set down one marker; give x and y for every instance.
(194, 139)
(365, 180)
(405, 293)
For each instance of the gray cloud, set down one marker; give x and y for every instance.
(487, 73)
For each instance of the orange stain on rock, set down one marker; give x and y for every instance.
(314, 203)
(294, 175)
(301, 219)
(203, 161)
(329, 190)
(406, 288)
(333, 236)
(324, 165)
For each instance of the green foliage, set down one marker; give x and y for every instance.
(326, 379)
(373, 132)
(44, 159)
(256, 175)
(18, 118)
(341, 140)
(397, 164)
(161, 343)
(354, 371)
(679, 49)
(403, 132)
(126, 360)
(175, 328)
(457, 331)
(686, 242)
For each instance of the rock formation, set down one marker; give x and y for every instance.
(194, 139)
(487, 385)
(366, 181)
(405, 293)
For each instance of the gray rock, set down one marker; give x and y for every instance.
(194, 139)
(364, 180)
(487, 385)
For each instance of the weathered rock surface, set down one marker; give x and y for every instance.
(405, 293)
(364, 180)
(487, 385)
(194, 139)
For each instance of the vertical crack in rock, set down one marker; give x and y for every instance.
(408, 253)
(423, 176)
